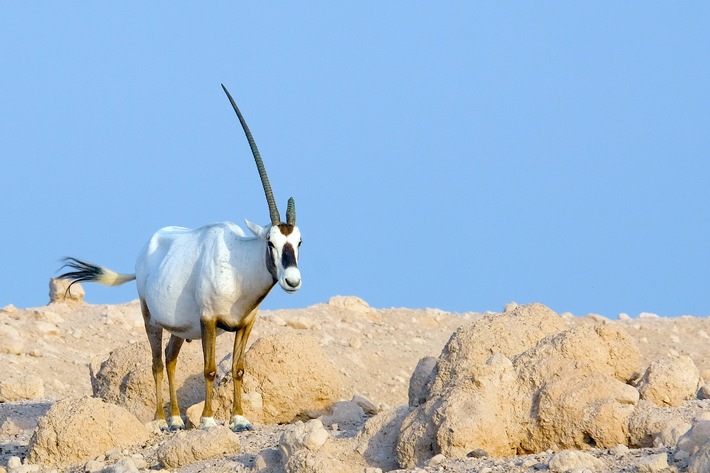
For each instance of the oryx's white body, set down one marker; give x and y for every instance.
(215, 272)
(193, 283)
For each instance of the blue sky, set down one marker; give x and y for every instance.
(457, 155)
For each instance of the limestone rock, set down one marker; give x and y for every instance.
(349, 303)
(572, 460)
(696, 437)
(301, 323)
(126, 378)
(311, 436)
(671, 433)
(700, 461)
(578, 412)
(124, 465)
(287, 376)
(654, 464)
(603, 349)
(563, 389)
(308, 448)
(421, 377)
(509, 333)
(670, 381)
(346, 415)
(268, 461)
(75, 430)
(365, 404)
(377, 439)
(21, 388)
(486, 414)
(299, 447)
(194, 445)
(59, 291)
(292, 376)
(10, 340)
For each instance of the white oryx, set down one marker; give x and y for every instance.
(193, 283)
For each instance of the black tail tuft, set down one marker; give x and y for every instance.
(83, 271)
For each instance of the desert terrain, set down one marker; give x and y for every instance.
(341, 386)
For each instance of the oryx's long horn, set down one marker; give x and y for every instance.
(273, 210)
(291, 212)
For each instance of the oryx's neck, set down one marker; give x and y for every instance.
(252, 270)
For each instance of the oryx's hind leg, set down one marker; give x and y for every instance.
(239, 422)
(155, 338)
(175, 422)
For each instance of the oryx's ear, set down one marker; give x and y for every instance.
(256, 229)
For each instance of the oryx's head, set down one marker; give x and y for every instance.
(282, 239)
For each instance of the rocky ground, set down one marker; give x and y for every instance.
(374, 406)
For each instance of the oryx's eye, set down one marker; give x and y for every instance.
(271, 245)
(299, 243)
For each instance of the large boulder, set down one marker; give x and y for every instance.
(670, 381)
(195, 445)
(578, 412)
(562, 389)
(76, 430)
(577, 385)
(126, 378)
(587, 349)
(288, 377)
(378, 438)
(486, 412)
(507, 333)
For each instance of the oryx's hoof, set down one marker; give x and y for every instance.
(160, 424)
(240, 424)
(207, 422)
(176, 423)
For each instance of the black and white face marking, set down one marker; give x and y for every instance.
(283, 242)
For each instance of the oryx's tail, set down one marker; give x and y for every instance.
(89, 272)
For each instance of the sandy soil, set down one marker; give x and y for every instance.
(375, 350)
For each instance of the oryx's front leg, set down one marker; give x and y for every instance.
(209, 338)
(239, 422)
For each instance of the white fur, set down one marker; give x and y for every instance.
(215, 271)
(292, 273)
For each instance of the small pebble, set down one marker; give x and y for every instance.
(437, 459)
(653, 464)
(478, 453)
(619, 450)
